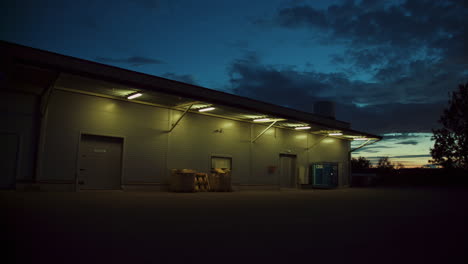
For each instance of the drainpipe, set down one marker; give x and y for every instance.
(43, 114)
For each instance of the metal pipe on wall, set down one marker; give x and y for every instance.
(43, 114)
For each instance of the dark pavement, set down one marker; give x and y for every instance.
(357, 225)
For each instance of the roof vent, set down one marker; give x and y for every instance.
(325, 109)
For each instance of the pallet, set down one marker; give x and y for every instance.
(202, 183)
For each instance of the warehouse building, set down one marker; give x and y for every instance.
(71, 124)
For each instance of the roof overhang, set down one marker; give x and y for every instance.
(78, 75)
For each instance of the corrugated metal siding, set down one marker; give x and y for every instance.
(197, 138)
(143, 128)
(18, 116)
(295, 142)
(265, 154)
(150, 151)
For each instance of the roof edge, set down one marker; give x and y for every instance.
(86, 68)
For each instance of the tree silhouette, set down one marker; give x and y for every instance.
(451, 142)
(385, 163)
(360, 163)
(399, 166)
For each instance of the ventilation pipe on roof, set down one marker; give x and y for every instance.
(325, 109)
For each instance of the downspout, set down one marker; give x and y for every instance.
(43, 114)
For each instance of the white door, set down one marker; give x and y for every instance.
(100, 163)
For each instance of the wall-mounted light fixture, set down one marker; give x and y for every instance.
(335, 134)
(262, 120)
(302, 128)
(363, 138)
(206, 109)
(134, 95)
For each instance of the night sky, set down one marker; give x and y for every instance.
(389, 65)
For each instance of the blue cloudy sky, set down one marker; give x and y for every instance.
(389, 65)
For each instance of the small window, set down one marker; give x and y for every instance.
(221, 163)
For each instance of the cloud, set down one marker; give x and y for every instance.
(411, 52)
(411, 156)
(370, 27)
(392, 117)
(302, 16)
(284, 85)
(415, 50)
(408, 142)
(367, 151)
(377, 147)
(407, 24)
(405, 136)
(132, 60)
(186, 78)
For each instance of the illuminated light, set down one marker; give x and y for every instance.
(360, 138)
(301, 128)
(133, 96)
(262, 120)
(206, 109)
(335, 134)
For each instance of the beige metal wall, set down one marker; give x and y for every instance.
(142, 127)
(150, 151)
(197, 138)
(18, 116)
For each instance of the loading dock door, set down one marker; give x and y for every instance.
(8, 162)
(100, 163)
(287, 171)
(221, 163)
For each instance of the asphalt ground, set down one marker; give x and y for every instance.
(354, 225)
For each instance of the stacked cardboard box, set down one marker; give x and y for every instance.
(187, 180)
(182, 180)
(220, 180)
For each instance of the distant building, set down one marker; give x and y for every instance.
(72, 124)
